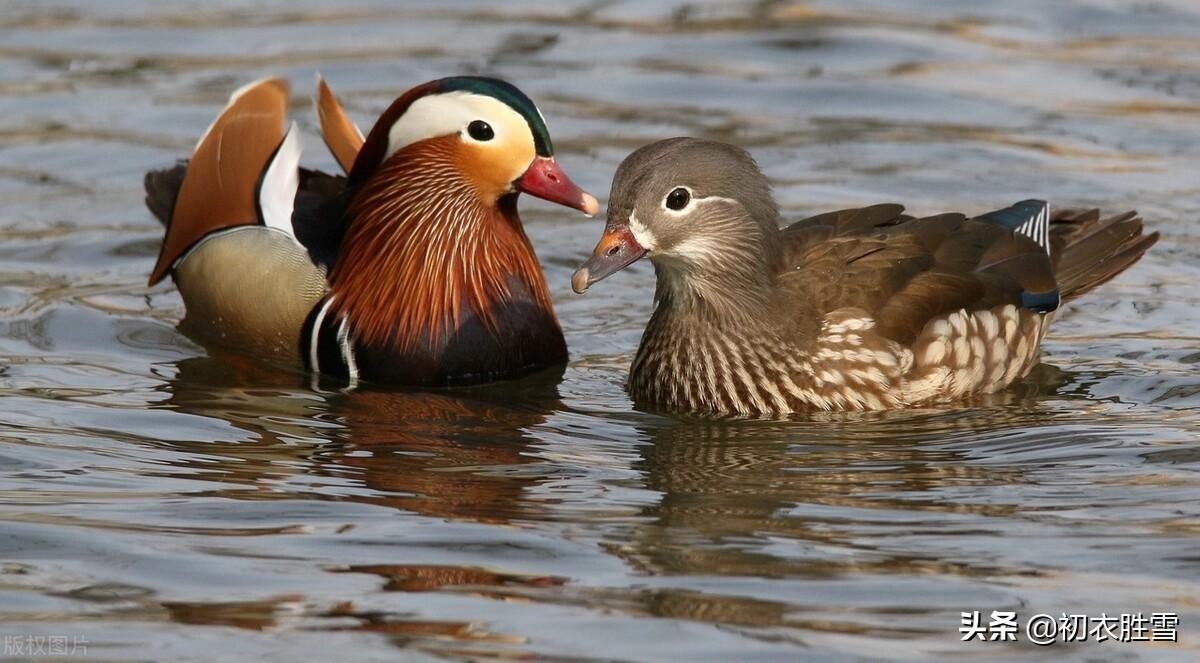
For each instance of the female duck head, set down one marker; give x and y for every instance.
(702, 211)
(502, 147)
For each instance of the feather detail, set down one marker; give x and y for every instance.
(1030, 218)
(342, 137)
(219, 188)
(422, 251)
(279, 183)
(1037, 227)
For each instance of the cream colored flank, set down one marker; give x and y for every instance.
(251, 287)
(849, 366)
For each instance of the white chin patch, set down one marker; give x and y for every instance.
(641, 233)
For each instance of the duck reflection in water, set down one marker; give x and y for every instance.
(771, 499)
(460, 454)
(725, 489)
(449, 454)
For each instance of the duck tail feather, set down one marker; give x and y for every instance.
(1091, 250)
(220, 184)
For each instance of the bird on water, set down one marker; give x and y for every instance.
(857, 309)
(412, 268)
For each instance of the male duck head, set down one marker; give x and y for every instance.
(702, 211)
(434, 249)
(493, 133)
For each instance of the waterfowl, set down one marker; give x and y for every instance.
(412, 268)
(865, 308)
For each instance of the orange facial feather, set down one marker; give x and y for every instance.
(423, 245)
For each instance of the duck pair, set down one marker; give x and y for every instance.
(413, 267)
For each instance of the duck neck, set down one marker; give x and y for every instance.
(422, 252)
(729, 285)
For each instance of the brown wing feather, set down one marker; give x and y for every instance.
(842, 222)
(904, 272)
(342, 138)
(1089, 250)
(219, 187)
(162, 188)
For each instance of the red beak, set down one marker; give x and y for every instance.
(547, 181)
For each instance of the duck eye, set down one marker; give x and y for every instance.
(480, 130)
(678, 199)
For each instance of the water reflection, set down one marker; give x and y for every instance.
(728, 491)
(446, 455)
(449, 454)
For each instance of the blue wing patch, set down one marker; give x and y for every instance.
(1030, 218)
(1042, 302)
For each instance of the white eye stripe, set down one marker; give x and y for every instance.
(693, 199)
(451, 113)
(715, 199)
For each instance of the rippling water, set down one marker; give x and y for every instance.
(160, 501)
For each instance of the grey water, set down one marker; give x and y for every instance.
(160, 500)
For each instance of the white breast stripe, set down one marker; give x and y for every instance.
(277, 191)
(313, 362)
(348, 352)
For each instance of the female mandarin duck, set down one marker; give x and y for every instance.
(413, 269)
(857, 309)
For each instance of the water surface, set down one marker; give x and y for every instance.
(161, 501)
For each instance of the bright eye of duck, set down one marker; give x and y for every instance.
(678, 199)
(480, 130)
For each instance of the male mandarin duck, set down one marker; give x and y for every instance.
(863, 308)
(412, 269)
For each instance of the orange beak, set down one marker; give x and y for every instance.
(547, 181)
(616, 250)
